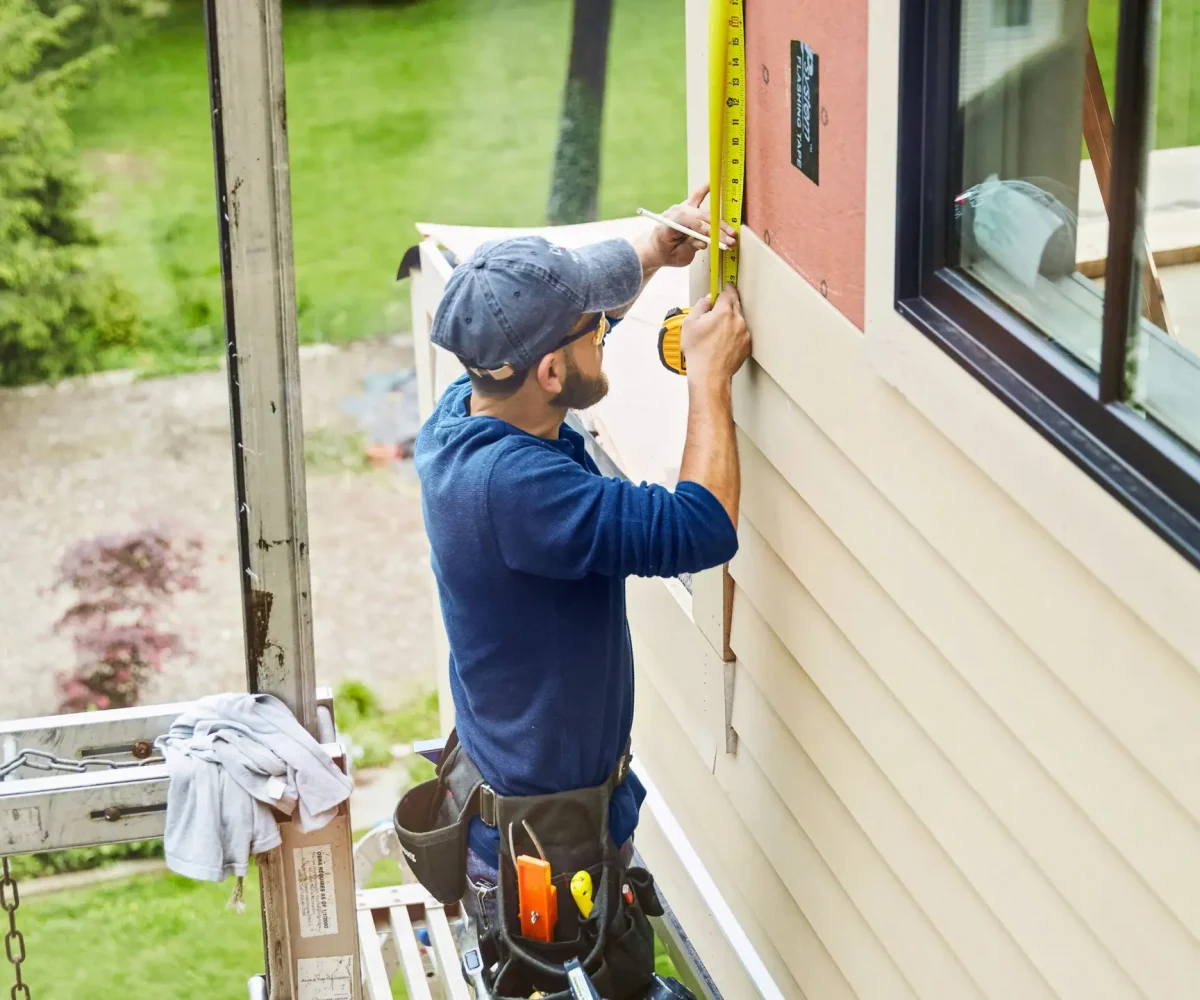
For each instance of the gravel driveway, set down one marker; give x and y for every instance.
(96, 455)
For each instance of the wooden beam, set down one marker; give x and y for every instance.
(1098, 135)
(1097, 123)
(1174, 257)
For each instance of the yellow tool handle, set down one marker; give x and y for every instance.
(581, 892)
(670, 344)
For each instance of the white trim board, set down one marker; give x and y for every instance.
(690, 860)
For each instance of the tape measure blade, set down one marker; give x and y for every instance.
(733, 134)
(727, 131)
(717, 48)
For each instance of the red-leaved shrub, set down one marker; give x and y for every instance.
(122, 583)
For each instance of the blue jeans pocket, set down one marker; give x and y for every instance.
(481, 898)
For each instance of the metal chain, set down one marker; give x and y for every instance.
(40, 760)
(14, 941)
(10, 899)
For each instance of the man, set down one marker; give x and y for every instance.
(530, 545)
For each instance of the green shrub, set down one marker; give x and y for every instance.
(371, 748)
(101, 22)
(78, 859)
(353, 703)
(59, 313)
(373, 732)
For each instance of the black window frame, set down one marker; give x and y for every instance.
(1141, 464)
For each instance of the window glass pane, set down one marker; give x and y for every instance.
(1028, 204)
(1164, 363)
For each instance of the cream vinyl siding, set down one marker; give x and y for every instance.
(968, 766)
(966, 698)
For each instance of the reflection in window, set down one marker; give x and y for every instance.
(1012, 13)
(1018, 210)
(1031, 208)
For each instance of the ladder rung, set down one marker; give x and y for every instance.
(447, 952)
(374, 971)
(407, 894)
(410, 957)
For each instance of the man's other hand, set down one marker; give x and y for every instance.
(714, 338)
(672, 248)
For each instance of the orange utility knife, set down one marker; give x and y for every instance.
(538, 899)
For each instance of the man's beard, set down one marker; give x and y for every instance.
(580, 392)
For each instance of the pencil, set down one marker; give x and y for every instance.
(663, 220)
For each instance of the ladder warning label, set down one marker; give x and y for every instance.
(806, 112)
(315, 898)
(324, 978)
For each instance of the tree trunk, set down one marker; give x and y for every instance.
(576, 180)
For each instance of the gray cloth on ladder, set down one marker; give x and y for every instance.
(232, 758)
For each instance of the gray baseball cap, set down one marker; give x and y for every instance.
(516, 300)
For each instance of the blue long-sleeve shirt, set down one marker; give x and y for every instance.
(530, 549)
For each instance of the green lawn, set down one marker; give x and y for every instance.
(439, 110)
(1177, 112)
(156, 936)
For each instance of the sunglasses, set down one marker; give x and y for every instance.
(598, 327)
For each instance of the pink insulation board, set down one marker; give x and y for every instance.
(806, 123)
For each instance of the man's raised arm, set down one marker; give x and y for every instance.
(715, 343)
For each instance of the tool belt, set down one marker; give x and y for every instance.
(614, 943)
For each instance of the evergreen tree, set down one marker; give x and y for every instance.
(59, 311)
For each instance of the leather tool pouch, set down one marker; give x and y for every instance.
(431, 824)
(615, 943)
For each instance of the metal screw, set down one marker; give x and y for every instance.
(766, 74)
(142, 749)
(112, 814)
(824, 289)
(767, 237)
(824, 115)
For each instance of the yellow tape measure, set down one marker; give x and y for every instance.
(727, 160)
(726, 131)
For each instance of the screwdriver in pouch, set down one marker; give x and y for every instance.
(578, 981)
